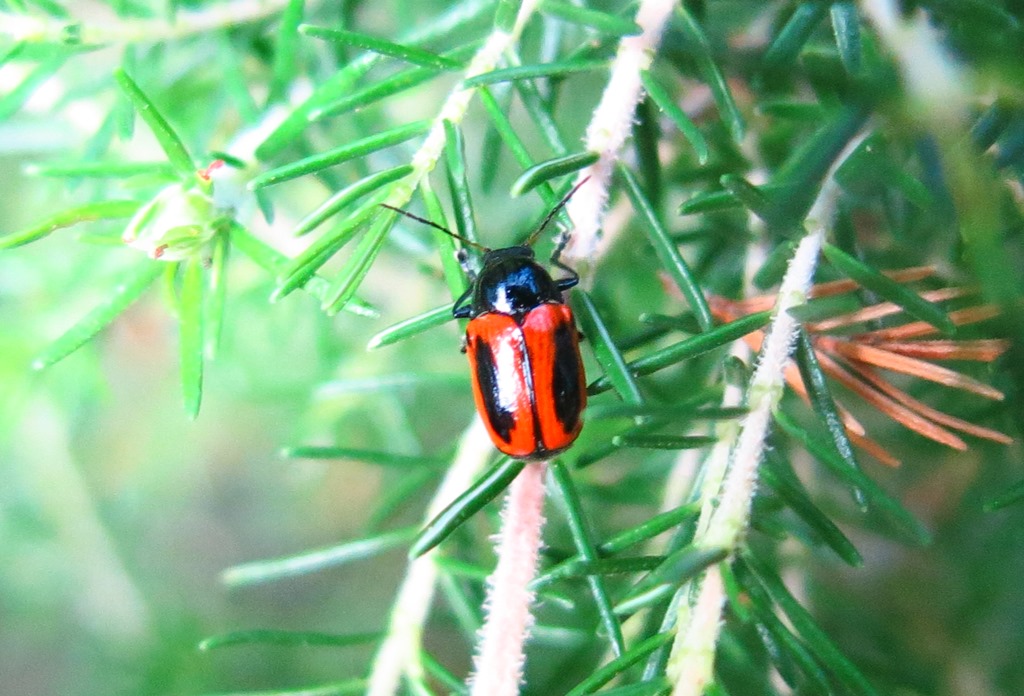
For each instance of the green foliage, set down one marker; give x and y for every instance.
(158, 274)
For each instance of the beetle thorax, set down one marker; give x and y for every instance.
(512, 282)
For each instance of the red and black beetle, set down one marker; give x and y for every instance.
(523, 349)
(524, 354)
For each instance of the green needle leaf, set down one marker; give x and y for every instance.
(714, 201)
(667, 251)
(620, 664)
(15, 98)
(348, 195)
(606, 566)
(665, 442)
(382, 89)
(115, 302)
(454, 276)
(607, 354)
(358, 265)
(683, 565)
(512, 141)
(888, 288)
(846, 27)
(276, 262)
(667, 104)
(682, 411)
(410, 54)
(165, 135)
(784, 647)
(391, 459)
(623, 540)
(343, 81)
(901, 523)
(651, 528)
(191, 335)
(104, 210)
(285, 51)
(784, 482)
(106, 169)
(323, 160)
(695, 345)
(749, 196)
(701, 48)
(821, 399)
(551, 169)
(530, 72)
(411, 326)
(218, 287)
(538, 107)
(794, 34)
(658, 687)
(579, 529)
(484, 490)
(774, 267)
(817, 640)
(458, 182)
(1014, 495)
(286, 638)
(311, 561)
(602, 21)
(302, 269)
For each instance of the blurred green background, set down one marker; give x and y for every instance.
(118, 514)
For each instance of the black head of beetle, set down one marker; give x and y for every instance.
(511, 282)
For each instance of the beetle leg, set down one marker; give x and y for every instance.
(461, 309)
(463, 345)
(574, 278)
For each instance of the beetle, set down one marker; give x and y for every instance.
(529, 385)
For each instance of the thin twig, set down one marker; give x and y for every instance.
(611, 126)
(399, 652)
(691, 664)
(498, 667)
(499, 663)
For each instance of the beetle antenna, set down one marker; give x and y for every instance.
(436, 226)
(554, 211)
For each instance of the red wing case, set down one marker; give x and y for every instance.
(501, 390)
(559, 385)
(528, 380)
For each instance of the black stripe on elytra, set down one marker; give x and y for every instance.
(565, 382)
(502, 421)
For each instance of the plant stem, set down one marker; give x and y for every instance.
(399, 652)
(498, 667)
(454, 108)
(691, 665)
(611, 126)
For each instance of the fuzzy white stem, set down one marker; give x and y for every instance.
(456, 104)
(498, 667)
(611, 125)
(691, 665)
(938, 86)
(400, 651)
(692, 661)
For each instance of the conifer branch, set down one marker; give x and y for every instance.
(498, 666)
(399, 652)
(611, 125)
(698, 623)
